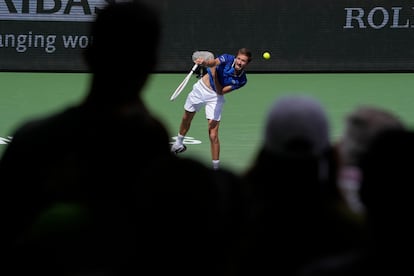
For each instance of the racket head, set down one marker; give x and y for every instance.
(206, 55)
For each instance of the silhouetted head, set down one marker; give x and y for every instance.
(123, 51)
(362, 125)
(125, 39)
(295, 126)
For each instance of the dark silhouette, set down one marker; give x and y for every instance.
(294, 212)
(160, 226)
(192, 225)
(90, 155)
(387, 178)
(361, 126)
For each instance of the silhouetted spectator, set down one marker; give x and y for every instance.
(361, 126)
(387, 177)
(89, 155)
(294, 216)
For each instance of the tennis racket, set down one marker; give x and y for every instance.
(197, 54)
(183, 83)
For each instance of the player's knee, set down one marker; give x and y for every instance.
(214, 138)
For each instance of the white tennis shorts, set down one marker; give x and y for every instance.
(201, 96)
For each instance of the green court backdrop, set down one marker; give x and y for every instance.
(28, 95)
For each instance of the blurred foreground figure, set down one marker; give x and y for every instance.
(294, 214)
(87, 157)
(361, 127)
(386, 168)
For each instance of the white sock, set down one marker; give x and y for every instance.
(180, 139)
(216, 164)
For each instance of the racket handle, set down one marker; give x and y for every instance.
(194, 67)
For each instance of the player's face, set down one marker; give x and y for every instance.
(241, 62)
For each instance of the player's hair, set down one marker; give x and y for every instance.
(246, 52)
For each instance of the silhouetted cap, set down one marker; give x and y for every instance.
(297, 125)
(124, 35)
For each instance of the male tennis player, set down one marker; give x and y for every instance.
(224, 74)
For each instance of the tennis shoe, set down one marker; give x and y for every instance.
(178, 148)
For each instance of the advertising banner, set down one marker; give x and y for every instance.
(301, 35)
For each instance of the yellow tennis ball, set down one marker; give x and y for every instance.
(266, 55)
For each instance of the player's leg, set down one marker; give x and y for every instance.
(178, 146)
(214, 107)
(213, 133)
(192, 105)
(186, 122)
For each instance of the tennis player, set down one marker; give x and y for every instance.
(225, 74)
